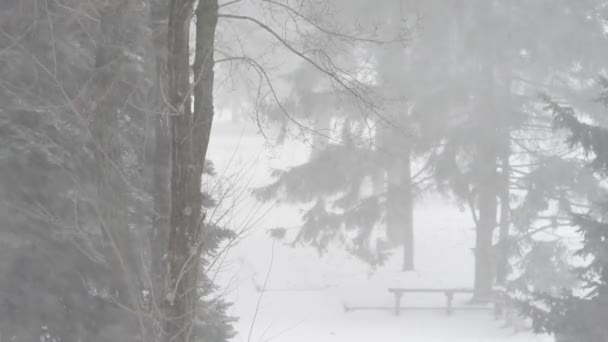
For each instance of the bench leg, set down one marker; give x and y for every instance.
(397, 304)
(449, 296)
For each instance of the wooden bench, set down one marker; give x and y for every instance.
(449, 295)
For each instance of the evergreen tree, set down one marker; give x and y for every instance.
(79, 89)
(366, 199)
(485, 127)
(60, 274)
(580, 316)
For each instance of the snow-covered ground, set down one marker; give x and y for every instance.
(306, 295)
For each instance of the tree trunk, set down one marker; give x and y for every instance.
(399, 210)
(408, 211)
(190, 132)
(396, 146)
(487, 156)
(502, 252)
(484, 261)
(399, 203)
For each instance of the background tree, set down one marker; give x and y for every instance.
(490, 134)
(471, 111)
(357, 182)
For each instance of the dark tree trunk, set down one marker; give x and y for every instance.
(177, 314)
(190, 132)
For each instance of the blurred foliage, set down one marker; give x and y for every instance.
(59, 279)
(573, 316)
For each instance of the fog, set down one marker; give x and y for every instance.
(303, 170)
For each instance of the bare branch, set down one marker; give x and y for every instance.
(262, 72)
(334, 33)
(342, 81)
(257, 307)
(229, 3)
(349, 84)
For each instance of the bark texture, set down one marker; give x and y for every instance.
(190, 130)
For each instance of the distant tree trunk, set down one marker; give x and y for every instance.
(487, 154)
(408, 210)
(484, 260)
(397, 147)
(399, 203)
(190, 132)
(502, 260)
(501, 250)
(399, 211)
(503, 238)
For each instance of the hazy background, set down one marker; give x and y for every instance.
(266, 170)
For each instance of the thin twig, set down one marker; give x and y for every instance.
(257, 307)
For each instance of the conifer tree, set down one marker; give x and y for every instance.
(580, 316)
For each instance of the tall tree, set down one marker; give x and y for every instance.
(190, 98)
(111, 89)
(489, 71)
(190, 129)
(396, 141)
(77, 125)
(580, 317)
(365, 161)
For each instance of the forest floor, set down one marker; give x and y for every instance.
(305, 294)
